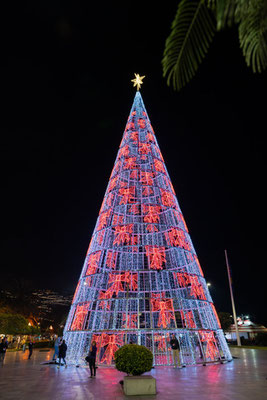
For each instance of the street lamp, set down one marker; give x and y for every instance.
(208, 284)
(232, 299)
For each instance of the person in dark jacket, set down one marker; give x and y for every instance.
(3, 349)
(92, 357)
(62, 353)
(30, 349)
(175, 351)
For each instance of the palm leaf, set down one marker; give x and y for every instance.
(192, 32)
(229, 12)
(253, 35)
(226, 12)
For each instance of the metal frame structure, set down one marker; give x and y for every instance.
(142, 280)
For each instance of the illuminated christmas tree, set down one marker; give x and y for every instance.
(142, 280)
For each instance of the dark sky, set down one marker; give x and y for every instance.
(66, 95)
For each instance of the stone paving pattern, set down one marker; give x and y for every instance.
(243, 378)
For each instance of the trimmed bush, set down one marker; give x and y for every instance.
(261, 339)
(43, 344)
(133, 359)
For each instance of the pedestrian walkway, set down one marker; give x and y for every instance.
(243, 378)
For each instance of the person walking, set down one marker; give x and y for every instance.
(24, 347)
(56, 348)
(3, 349)
(92, 357)
(62, 353)
(175, 351)
(30, 349)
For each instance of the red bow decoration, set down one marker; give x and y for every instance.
(211, 351)
(134, 136)
(134, 174)
(147, 191)
(162, 341)
(191, 281)
(103, 218)
(130, 125)
(135, 209)
(127, 194)
(123, 234)
(130, 163)
(144, 148)
(109, 199)
(141, 123)
(156, 256)
(112, 342)
(159, 166)
(124, 151)
(146, 178)
(93, 263)
(105, 296)
(112, 183)
(79, 317)
(167, 198)
(176, 237)
(165, 308)
(116, 281)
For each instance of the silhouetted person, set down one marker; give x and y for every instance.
(62, 353)
(175, 351)
(3, 349)
(92, 357)
(30, 349)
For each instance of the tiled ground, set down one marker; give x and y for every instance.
(243, 378)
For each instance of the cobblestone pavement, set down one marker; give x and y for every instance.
(243, 378)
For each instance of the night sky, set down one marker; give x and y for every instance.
(66, 96)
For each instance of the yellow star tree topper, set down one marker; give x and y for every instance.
(138, 81)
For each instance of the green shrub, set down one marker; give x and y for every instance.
(44, 344)
(133, 359)
(261, 339)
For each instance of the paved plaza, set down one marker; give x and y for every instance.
(243, 378)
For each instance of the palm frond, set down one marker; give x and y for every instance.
(212, 4)
(241, 10)
(226, 12)
(253, 34)
(192, 32)
(229, 12)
